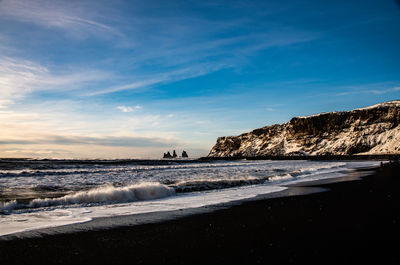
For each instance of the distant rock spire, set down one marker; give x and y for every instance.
(184, 154)
(174, 154)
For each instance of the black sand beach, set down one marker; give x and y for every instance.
(352, 222)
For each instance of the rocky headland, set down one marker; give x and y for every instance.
(372, 130)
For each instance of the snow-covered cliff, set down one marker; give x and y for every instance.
(370, 130)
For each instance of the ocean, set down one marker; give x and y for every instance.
(38, 194)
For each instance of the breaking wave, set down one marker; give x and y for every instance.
(207, 184)
(104, 194)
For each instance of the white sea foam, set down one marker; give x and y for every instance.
(280, 178)
(8, 206)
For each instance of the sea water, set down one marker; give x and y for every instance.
(38, 193)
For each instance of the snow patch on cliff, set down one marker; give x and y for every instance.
(392, 103)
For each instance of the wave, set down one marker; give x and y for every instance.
(284, 174)
(104, 194)
(207, 184)
(96, 169)
(215, 184)
(130, 193)
(40, 173)
(56, 195)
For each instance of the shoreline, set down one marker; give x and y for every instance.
(352, 221)
(115, 222)
(102, 223)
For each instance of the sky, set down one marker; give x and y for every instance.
(134, 79)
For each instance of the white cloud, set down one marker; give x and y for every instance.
(4, 103)
(129, 109)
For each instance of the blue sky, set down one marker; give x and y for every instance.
(107, 79)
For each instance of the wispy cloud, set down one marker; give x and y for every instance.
(36, 153)
(371, 89)
(4, 103)
(160, 49)
(130, 86)
(165, 77)
(19, 77)
(70, 16)
(126, 141)
(222, 50)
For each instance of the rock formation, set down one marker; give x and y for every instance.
(174, 155)
(370, 130)
(167, 155)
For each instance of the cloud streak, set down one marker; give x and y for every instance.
(179, 74)
(124, 141)
(19, 77)
(54, 14)
(376, 89)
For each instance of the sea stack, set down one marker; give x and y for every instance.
(372, 130)
(167, 155)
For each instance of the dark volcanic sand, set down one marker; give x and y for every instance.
(354, 222)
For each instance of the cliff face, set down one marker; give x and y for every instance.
(371, 130)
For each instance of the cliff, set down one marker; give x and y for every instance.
(371, 130)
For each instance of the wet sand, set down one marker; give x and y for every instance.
(352, 222)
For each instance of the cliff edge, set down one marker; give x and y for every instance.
(372, 130)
